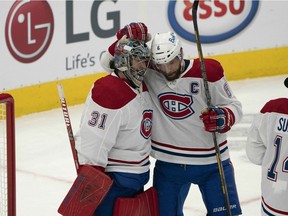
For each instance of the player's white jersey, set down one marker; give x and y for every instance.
(178, 134)
(115, 130)
(267, 145)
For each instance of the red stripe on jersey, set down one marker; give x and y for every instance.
(214, 70)
(127, 162)
(273, 209)
(111, 92)
(188, 149)
(279, 105)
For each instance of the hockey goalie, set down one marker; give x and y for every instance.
(113, 143)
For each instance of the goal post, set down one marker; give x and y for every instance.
(7, 156)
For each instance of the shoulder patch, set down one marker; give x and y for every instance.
(111, 92)
(279, 105)
(214, 70)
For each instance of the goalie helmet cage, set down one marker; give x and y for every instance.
(7, 156)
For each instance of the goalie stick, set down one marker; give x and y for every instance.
(91, 185)
(68, 125)
(209, 105)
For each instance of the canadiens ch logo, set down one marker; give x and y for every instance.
(146, 124)
(176, 106)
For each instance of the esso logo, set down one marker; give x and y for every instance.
(29, 29)
(217, 20)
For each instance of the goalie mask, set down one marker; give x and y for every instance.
(132, 58)
(167, 55)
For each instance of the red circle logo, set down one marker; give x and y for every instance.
(29, 29)
(146, 124)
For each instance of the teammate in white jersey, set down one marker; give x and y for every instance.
(116, 125)
(181, 143)
(267, 145)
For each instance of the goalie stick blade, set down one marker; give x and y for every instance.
(86, 193)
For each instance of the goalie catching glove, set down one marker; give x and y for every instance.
(217, 119)
(134, 31)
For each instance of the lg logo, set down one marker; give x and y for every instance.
(29, 29)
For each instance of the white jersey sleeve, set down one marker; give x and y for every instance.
(255, 147)
(105, 59)
(107, 56)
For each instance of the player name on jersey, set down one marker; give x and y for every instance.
(282, 124)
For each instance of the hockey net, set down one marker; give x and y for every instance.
(7, 156)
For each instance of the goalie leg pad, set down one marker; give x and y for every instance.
(86, 193)
(144, 204)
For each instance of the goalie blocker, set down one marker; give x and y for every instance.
(91, 186)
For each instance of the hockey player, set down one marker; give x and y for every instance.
(181, 141)
(267, 145)
(115, 128)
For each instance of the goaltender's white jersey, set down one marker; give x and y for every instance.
(178, 134)
(267, 145)
(115, 130)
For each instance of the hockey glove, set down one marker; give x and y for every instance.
(134, 31)
(217, 119)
